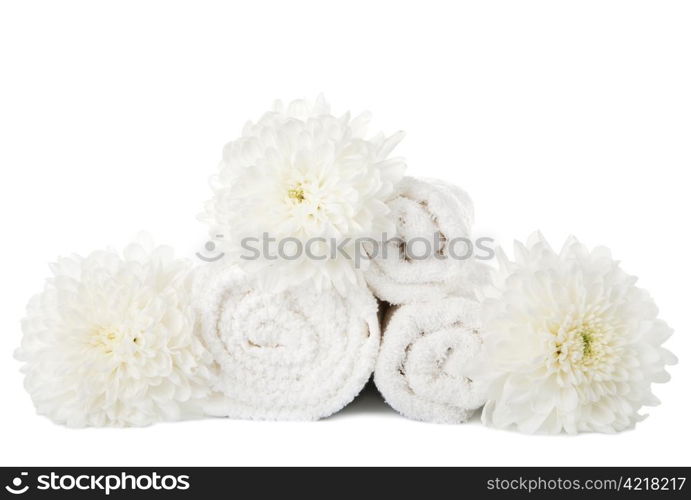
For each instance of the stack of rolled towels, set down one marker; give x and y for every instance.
(299, 339)
(431, 328)
(328, 266)
(303, 353)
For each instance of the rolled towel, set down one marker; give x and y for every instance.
(294, 355)
(426, 350)
(422, 208)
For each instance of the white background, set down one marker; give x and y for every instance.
(570, 117)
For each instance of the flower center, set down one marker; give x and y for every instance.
(105, 339)
(297, 193)
(587, 339)
(108, 339)
(305, 204)
(578, 345)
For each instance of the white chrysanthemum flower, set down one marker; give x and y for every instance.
(111, 341)
(304, 174)
(571, 343)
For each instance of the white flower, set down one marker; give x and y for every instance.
(302, 173)
(571, 343)
(111, 341)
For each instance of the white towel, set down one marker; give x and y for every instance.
(426, 351)
(421, 208)
(295, 355)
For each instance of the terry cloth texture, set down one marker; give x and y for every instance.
(425, 351)
(411, 270)
(294, 355)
